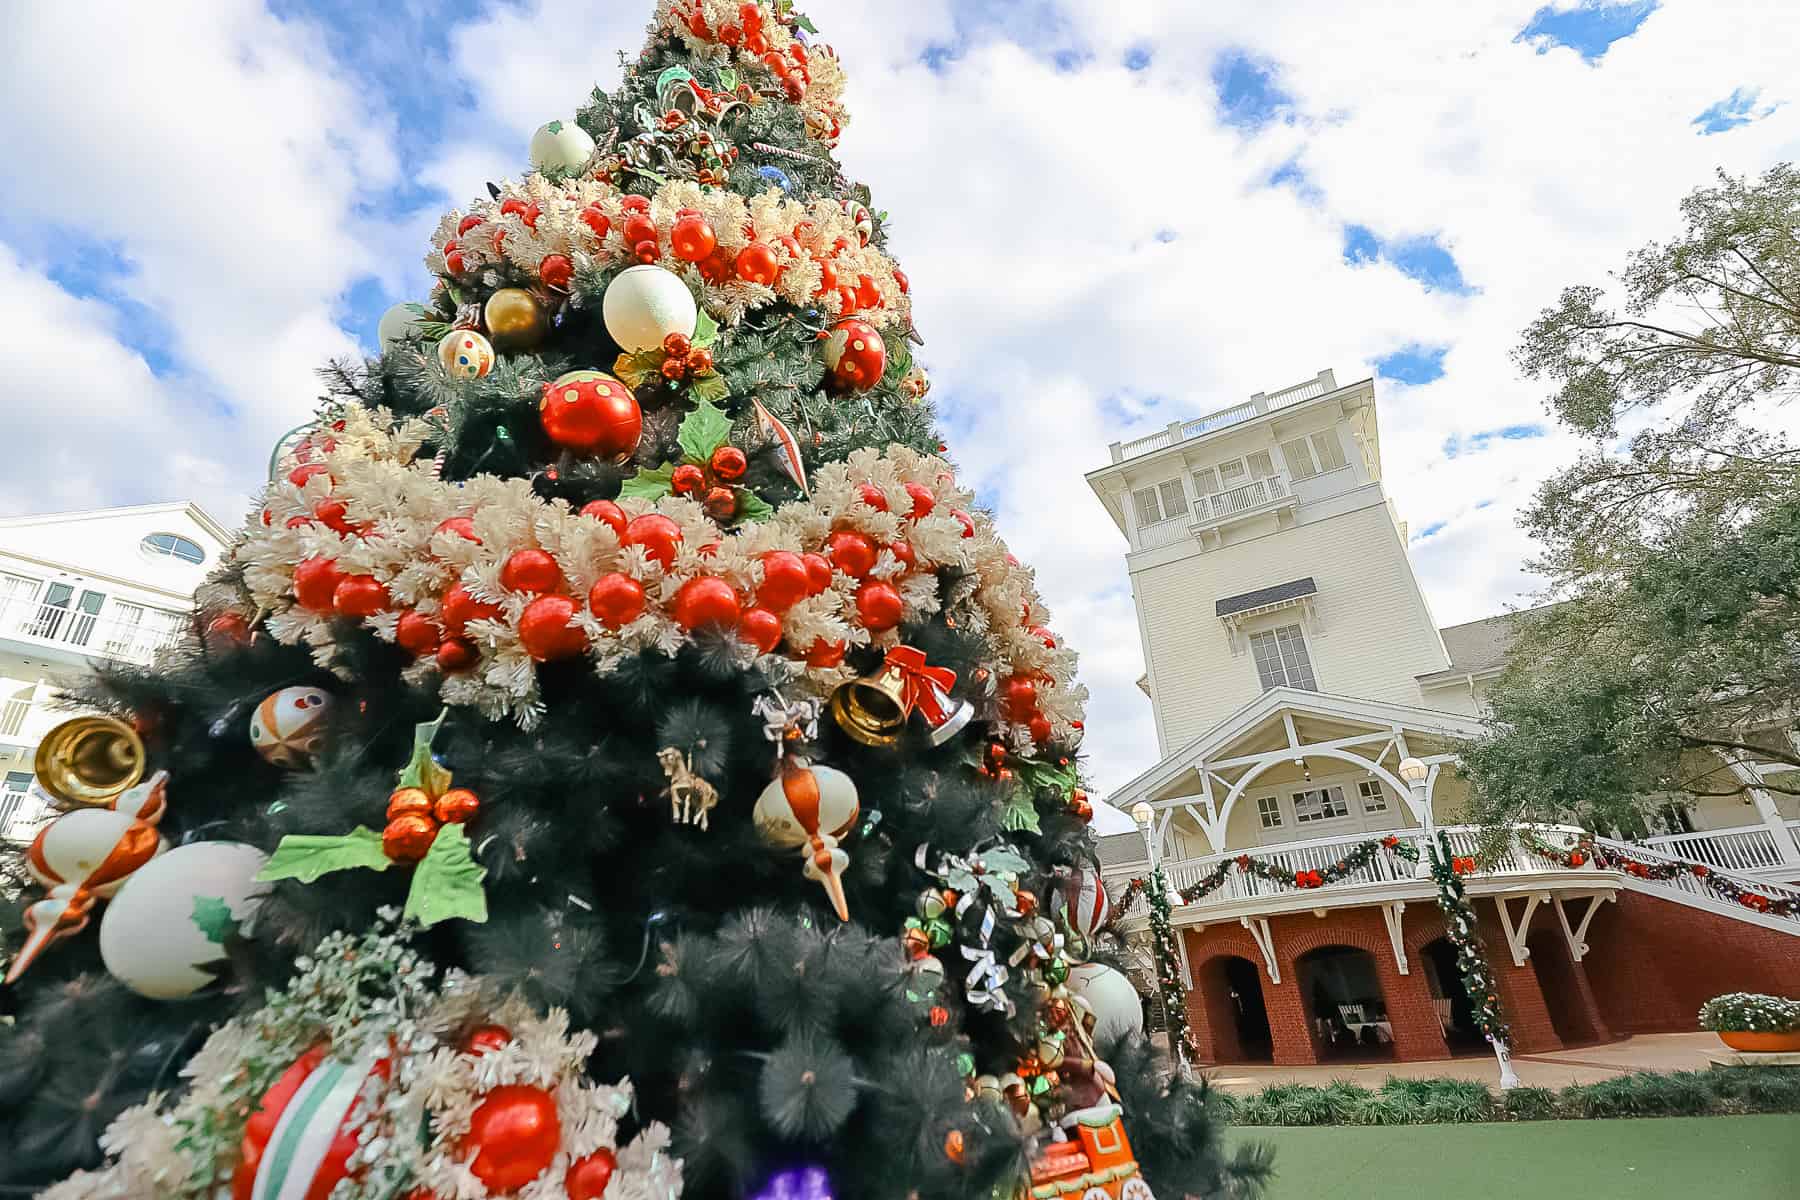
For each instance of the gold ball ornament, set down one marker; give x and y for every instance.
(515, 320)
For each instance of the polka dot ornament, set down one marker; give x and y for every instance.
(465, 354)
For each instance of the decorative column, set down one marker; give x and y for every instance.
(1162, 934)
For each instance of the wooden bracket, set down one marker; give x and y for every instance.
(1391, 913)
(1576, 935)
(1265, 942)
(1517, 933)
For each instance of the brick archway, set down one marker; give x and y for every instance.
(1229, 989)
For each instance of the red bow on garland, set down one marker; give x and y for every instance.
(923, 687)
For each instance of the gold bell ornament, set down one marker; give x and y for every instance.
(89, 760)
(873, 709)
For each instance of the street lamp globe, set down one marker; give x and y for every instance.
(1413, 771)
(1143, 814)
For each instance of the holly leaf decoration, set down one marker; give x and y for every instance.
(649, 485)
(447, 881)
(636, 369)
(961, 879)
(752, 507)
(709, 388)
(212, 917)
(554, 127)
(805, 22)
(706, 331)
(1041, 775)
(1019, 813)
(728, 79)
(703, 431)
(306, 856)
(1004, 861)
(423, 771)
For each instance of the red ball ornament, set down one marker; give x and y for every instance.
(867, 294)
(692, 239)
(640, 229)
(728, 462)
(852, 553)
(646, 252)
(556, 271)
(904, 554)
(855, 354)
(786, 580)
(825, 653)
(686, 478)
(905, 283)
(1040, 728)
(1018, 697)
(530, 571)
(590, 412)
(512, 204)
(872, 496)
(657, 534)
(227, 629)
(617, 599)
(315, 583)
(330, 513)
(923, 501)
(459, 608)
(456, 654)
(721, 503)
(467, 223)
(965, 520)
(588, 1177)
(545, 632)
(756, 263)
(699, 360)
(515, 1132)
(359, 596)
(706, 600)
(878, 605)
(485, 1038)
(456, 806)
(677, 345)
(761, 628)
(462, 527)
(819, 571)
(607, 511)
(299, 475)
(827, 279)
(635, 204)
(595, 219)
(408, 837)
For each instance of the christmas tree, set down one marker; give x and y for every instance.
(617, 758)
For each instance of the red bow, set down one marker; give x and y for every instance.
(922, 687)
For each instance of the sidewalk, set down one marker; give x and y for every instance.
(1582, 1064)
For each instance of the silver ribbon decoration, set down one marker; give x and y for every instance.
(986, 979)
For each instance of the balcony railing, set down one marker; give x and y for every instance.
(1749, 848)
(102, 634)
(1224, 418)
(1247, 497)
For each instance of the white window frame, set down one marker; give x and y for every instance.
(1373, 795)
(150, 550)
(1158, 502)
(1295, 671)
(1268, 812)
(1331, 797)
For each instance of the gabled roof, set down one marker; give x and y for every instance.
(199, 515)
(1293, 589)
(1478, 647)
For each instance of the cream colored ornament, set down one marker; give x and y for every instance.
(167, 922)
(560, 146)
(810, 807)
(645, 304)
(288, 727)
(1118, 1010)
(399, 324)
(465, 354)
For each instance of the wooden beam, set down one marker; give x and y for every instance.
(1517, 933)
(1265, 942)
(1390, 914)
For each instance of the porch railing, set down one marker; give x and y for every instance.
(1180, 431)
(98, 633)
(1748, 848)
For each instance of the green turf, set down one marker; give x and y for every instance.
(1743, 1158)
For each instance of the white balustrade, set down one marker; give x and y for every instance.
(1163, 533)
(1224, 418)
(98, 634)
(1686, 881)
(1747, 848)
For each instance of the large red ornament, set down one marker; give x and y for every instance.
(359, 596)
(590, 412)
(706, 600)
(878, 605)
(408, 836)
(588, 1177)
(315, 583)
(1039, 727)
(825, 653)
(922, 500)
(530, 571)
(607, 511)
(260, 1126)
(462, 527)
(1018, 698)
(852, 553)
(545, 632)
(786, 580)
(456, 654)
(692, 239)
(872, 496)
(556, 271)
(227, 629)
(818, 571)
(515, 1133)
(417, 634)
(657, 534)
(761, 628)
(485, 1038)
(855, 354)
(458, 608)
(330, 512)
(617, 599)
(756, 264)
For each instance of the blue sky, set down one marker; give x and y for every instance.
(1113, 216)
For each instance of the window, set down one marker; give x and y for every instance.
(1261, 465)
(1374, 796)
(1206, 482)
(1320, 804)
(12, 796)
(1306, 457)
(1281, 659)
(1268, 811)
(1232, 473)
(1164, 502)
(1328, 450)
(172, 545)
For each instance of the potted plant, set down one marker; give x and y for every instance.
(1747, 1021)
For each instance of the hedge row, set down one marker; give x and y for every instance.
(1719, 1091)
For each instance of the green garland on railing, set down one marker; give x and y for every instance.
(1358, 857)
(1586, 850)
(1168, 978)
(1471, 958)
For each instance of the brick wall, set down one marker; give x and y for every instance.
(1653, 963)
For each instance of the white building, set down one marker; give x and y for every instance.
(77, 589)
(1292, 662)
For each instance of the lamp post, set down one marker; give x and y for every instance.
(1415, 773)
(1162, 936)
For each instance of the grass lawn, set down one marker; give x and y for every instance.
(1745, 1158)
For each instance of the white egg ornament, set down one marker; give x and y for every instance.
(810, 807)
(1118, 1010)
(645, 304)
(288, 727)
(465, 354)
(560, 146)
(164, 926)
(399, 324)
(1087, 904)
